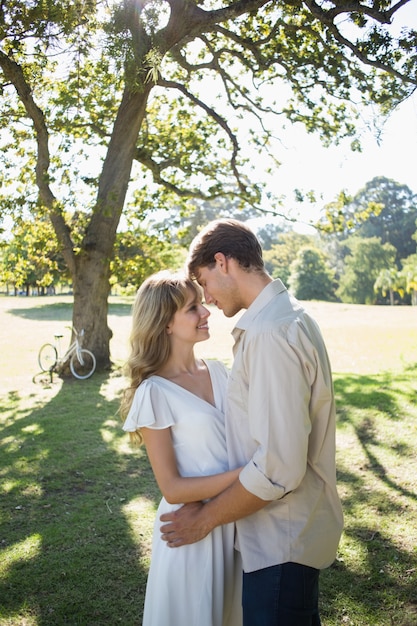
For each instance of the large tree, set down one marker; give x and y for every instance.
(311, 277)
(31, 258)
(367, 258)
(396, 223)
(156, 92)
(409, 273)
(280, 256)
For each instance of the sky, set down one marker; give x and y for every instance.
(306, 164)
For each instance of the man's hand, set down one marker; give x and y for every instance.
(185, 525)
(195, 520)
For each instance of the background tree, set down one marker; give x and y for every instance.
(31, 259)
(138, 82)
(182, 223)
(279, 257)
(384, 208)
(335, 250)
(366, 259)
(340, 218)
(409, 273)
(269, 234)
(139, 254)
(310, 276)
(396, 223)
(389, 281)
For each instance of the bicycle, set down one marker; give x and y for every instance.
(82, 362)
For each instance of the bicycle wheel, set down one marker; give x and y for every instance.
(47, 357)
(82, 364)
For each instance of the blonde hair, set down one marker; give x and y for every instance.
(157, 300)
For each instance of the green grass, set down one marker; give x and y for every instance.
(373, 580)
(76, 510)
(77, 504)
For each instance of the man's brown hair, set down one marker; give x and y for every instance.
(231, 237)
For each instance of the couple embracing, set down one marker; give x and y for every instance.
(245, 460)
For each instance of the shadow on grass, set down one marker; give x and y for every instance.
(48, 311)
(383, 593)
(373, 582)
(70, 555)
(363, 402)
(62, 311)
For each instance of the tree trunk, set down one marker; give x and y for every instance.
(91, 290)
(391, 297)
(91, 266)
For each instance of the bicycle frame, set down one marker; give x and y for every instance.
(75, 347)
(82, 362)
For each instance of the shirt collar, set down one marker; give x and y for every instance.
(266, 295)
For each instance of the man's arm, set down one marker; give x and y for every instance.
(194, 521)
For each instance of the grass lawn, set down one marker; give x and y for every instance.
(77, 504)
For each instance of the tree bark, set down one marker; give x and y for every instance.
(91, 290)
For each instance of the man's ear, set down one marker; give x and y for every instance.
(221, 261)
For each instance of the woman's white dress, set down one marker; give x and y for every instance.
(197, 584)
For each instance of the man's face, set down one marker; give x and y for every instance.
(220, 289)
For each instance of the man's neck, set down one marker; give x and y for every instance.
(252, 283)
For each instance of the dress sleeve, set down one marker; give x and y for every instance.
(150, 408)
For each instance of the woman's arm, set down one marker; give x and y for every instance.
(175, 488)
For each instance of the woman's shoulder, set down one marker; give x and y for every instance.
(150, 406)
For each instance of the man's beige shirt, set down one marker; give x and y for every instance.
(280, 423)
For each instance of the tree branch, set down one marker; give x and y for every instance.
(383, 17)
(217, 118)
(14, 73)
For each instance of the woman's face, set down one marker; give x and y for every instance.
(189, 323)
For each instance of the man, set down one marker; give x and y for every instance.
(280, 423)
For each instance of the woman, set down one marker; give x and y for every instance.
(175, 405)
